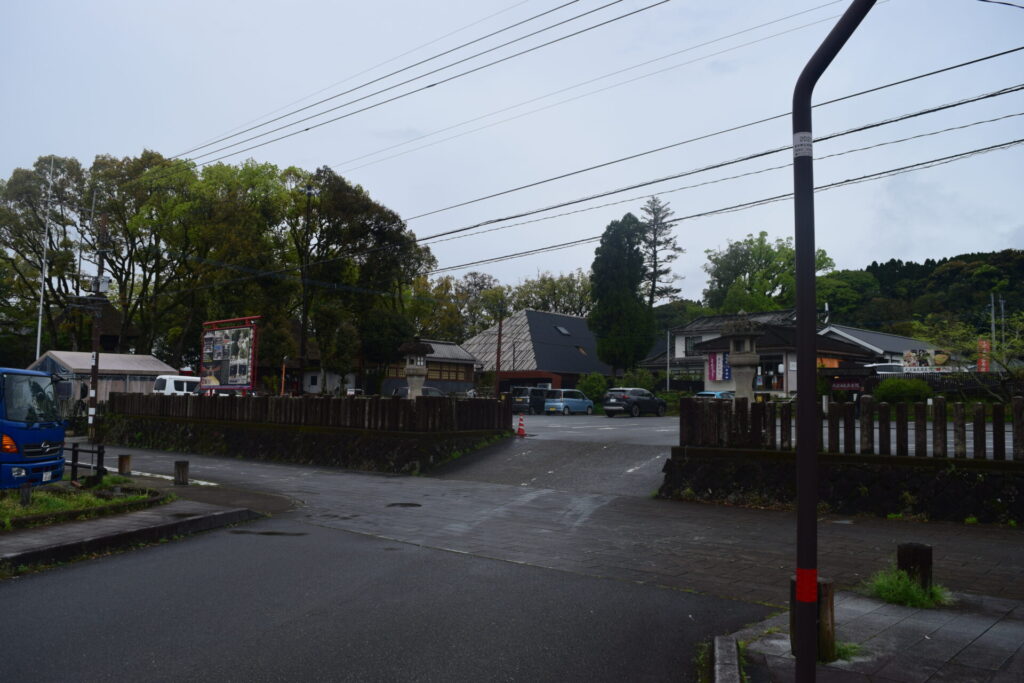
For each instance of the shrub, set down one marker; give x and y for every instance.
(593, 385)
(900, 390)
(895, 586)
(639, 378)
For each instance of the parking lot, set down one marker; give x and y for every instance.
(646, 430)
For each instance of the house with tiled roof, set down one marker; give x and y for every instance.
(537, 348)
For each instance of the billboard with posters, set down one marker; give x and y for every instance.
(229, 354)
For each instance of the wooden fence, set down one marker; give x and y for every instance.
(424, 414)
(937, 430)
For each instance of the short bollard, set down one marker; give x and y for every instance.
(124, 464)
(26, 495)
(181, 472)
(826, 619)
(916, 560)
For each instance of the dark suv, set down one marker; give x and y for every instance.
(632, 401)
(528, 400)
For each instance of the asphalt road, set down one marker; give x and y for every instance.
(286, 599)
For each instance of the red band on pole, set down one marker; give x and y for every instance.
(807, 585)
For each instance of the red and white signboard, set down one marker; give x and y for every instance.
(984, 354)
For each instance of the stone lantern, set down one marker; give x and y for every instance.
(415, 353)
(742, 336)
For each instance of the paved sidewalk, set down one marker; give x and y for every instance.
(976, 639)
(197, 509)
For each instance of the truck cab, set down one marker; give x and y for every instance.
(31, 429)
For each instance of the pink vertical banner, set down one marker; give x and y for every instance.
(712, 367)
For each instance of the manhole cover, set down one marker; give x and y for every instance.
(404, 505)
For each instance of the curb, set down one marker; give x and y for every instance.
(727, 665)
(149, 534)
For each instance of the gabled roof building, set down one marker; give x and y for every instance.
(539, 348)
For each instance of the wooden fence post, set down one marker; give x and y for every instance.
(921, 430)
(867, 424)
(849, 428)
(979, 431)
(741, 423)
(939, 428)
(1017, 405)
(901, 429)
(916, 560)
(833, 427)
(884, 430)
(959, 431)
(773, 434)
(998, 431)
(786, 427)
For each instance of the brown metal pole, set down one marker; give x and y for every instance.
(805, 604)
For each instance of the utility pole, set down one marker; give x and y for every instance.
(805, 605)
(668, 360)
(304, 268)
(992, 310)
(44, 271)
(1002, 317)
(98, 298)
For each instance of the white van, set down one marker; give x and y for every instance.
(175, 385)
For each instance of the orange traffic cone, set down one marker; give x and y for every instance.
(521, 429)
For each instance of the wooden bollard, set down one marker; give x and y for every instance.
(826, 619)
(181, 472)
(916, 560)
(124, 464)
(26, 495)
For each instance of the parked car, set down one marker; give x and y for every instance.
(632, 401)
(175, 385)
(715, 394)
(567, 402)
(403, 392)
(528, 400)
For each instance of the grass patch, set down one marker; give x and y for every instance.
(703, 664)
(847, 651)
(48, 500)
(897, 587)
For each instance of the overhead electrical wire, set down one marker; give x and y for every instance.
(699, 138)
(752, 204)
(405, 94)
(406, 68)
(722, 164)
(716, 181)
(280, 273)
(588, 82)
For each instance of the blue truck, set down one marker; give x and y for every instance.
(32, 429)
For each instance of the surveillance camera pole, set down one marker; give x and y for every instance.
(806, 604)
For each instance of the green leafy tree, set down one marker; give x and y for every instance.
(638, 377)
(567, 294)
(660, 249)
(593, 385)
(755, 274)
(620, 319)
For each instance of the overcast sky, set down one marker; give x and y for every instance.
(117, 77)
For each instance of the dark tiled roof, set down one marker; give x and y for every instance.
(888, 343)
(714, 323)
(779, 337)
(532, 340)
(449, 352)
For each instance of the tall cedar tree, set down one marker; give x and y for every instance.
(622, 323)
(660, 249)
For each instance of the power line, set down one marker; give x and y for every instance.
(593, 80)
(406, 68)
(724, 179)
(461, 232)
(405, 94)
(1001, 2)
(752, 204)
(701, 137)
(723, 164)
(371, 68)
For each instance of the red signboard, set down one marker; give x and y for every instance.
(228, 359)
(984, 353)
